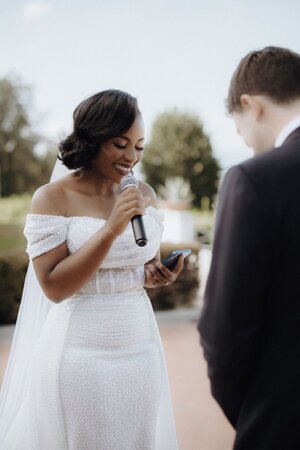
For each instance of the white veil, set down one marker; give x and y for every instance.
(33, 311)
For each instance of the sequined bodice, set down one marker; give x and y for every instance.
(123, 268)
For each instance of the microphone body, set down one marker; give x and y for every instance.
(136, 221)
(139, 230)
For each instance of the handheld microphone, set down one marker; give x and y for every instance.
(137, 221)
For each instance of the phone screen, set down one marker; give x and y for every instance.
(185, 252)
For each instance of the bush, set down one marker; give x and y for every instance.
(13, 267)
(184, 291)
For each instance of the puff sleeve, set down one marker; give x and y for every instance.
(44, 233)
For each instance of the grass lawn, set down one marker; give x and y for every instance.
(11, 237)
(14, 208)
(12, 219)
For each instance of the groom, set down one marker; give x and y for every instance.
(250, 322)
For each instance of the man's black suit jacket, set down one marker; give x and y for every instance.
(250, 322)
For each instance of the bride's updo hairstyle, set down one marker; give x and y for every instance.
(97, 119)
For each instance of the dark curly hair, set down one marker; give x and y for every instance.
(272, 71)
(97, 119)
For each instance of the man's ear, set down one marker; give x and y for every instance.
(245, 101)
(253, 104)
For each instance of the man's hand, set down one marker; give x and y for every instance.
(157, 275)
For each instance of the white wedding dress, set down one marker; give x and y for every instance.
(98, 378)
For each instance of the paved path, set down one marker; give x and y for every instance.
(199, 421)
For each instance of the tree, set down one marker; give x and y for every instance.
(180, 147)
(21, 169)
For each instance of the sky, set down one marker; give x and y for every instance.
(167, 53)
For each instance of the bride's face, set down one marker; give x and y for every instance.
(119, 155)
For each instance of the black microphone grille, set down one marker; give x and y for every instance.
(128, 180)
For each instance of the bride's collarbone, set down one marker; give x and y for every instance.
(87, 205)
(82, 203)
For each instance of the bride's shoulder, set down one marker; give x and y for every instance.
(49, 198)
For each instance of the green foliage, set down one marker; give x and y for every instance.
(184, 291)
(11, 237)
(13, 266)
(180, 148)
(21, 169)
(13, 258)
(14, 208)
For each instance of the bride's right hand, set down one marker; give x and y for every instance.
(129, 204)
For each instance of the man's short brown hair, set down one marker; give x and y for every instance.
(272, 71)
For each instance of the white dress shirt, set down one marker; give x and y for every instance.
(287, 130)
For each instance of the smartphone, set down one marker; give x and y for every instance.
(171, 260)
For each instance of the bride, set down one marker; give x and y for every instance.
(87, 369)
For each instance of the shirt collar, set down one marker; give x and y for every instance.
(287, 130)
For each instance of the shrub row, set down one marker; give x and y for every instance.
(183, 292)
(13, 267)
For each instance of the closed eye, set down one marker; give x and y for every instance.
(124, 146)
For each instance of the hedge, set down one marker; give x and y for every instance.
(13, 267)
(184, 291)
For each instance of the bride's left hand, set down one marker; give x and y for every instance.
(157, 275)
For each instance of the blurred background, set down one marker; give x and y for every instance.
(177, 58)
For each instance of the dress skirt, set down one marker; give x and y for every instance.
(98, 379)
